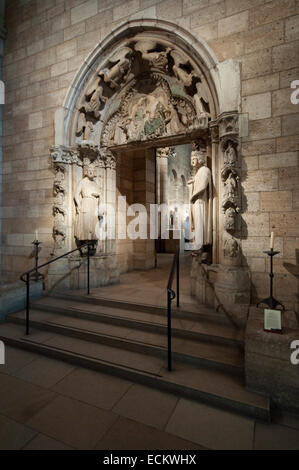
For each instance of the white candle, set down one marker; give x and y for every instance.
(272, 241)
(36, 235)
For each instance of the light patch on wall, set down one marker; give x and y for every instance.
(2, 353)
(2, 92)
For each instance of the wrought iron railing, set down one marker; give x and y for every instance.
(25, 277)
(171, 295)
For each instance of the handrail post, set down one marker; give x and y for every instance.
(27, 302)
(88, 269)
(178, 280)
(169, 328)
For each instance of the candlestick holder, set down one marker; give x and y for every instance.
(36, 276)
(270, 301)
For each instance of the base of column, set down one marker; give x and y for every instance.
(219, 286)
(71, 273)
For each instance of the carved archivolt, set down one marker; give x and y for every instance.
(146, 90)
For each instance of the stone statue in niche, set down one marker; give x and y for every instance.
(200, 187)
(120, 71)
(179, 68)
(156, 59)
(230, 187)
(230, 155)
(87, 199)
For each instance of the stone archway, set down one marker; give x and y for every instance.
(151, 83)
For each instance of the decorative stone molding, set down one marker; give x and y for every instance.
(59, 206)
(231, 199)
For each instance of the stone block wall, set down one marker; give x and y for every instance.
(48, 41)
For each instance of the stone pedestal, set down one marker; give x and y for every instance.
(103, 271)
(227, 287)
(268, 368)
(71, 272)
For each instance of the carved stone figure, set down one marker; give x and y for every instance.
(59, 228)
(157, 59)
(200, 187)
(230, 187)
(59, 189)
(94, 104)
(119, 72)
(181, 60)
(230, 156)
(199, 97)
(230, 218)
(230, 247)
(84, 127)
(87, 197)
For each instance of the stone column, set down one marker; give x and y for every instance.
(229, 189)
(62, 159)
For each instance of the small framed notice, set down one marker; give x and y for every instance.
(272, 320)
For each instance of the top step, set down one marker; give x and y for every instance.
(186, 310)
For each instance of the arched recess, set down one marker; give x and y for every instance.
(198, 100)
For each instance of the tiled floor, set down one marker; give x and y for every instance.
(47, 404)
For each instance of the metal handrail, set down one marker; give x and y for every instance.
(25, 277)
(171, 295)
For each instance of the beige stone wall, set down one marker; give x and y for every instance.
(47, 42)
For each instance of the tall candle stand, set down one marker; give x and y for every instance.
(270, 301)
(36, 275)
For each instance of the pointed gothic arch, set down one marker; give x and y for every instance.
(151, 83)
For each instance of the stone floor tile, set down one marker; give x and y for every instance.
(21, 400)
(286, 419)
(147, 406)
(275, 437)
(94, 388)
(211, 427)
(44, 371)
(42, 442)
(13, 435)
(73, 423)
(127, 434)
(15, 359)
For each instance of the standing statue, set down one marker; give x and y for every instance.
(87, 198)
(200, 187)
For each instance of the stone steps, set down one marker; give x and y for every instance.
(150, 319)
(209, 385)
(151, 341)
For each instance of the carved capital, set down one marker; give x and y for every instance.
(88, 150)
(107, 158)
(228, 125)
(62, 154)
(214, 131)
(165, 152)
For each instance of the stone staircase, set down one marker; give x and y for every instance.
(130, 340)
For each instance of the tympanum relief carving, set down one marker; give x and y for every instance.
(146, 90)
